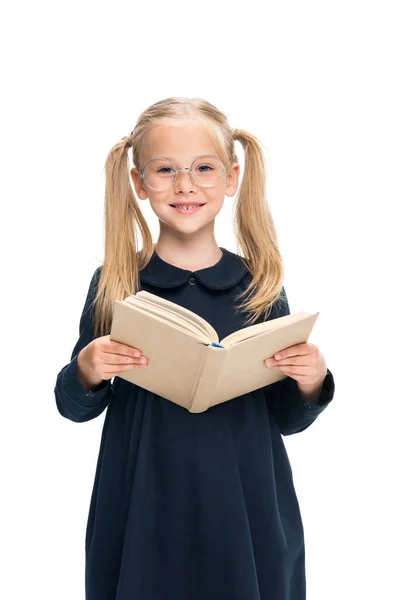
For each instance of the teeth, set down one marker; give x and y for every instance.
(187, 207)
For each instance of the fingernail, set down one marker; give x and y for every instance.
(269, 363)
(137, 354)
(277, 356)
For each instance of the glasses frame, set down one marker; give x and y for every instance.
(176, 169)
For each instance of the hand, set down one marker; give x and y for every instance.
(302, 362)
(104, 359)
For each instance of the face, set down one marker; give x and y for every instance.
(181, 144)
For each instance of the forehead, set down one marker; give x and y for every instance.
(181, 142)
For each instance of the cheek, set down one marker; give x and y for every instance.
(160, 202)
(215, 195)
(214, 206)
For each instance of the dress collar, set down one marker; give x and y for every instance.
(226, 273)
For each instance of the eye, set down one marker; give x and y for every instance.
(206, 166)
(163, 169)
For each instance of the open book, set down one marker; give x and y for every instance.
(187, 363)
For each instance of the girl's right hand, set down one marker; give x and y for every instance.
(104, 359)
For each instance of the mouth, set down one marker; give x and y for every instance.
(188, 209)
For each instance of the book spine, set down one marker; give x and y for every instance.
(206, 385)
(196, 379)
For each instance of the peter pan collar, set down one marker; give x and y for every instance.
(226, 273)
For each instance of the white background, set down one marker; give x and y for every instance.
(317, 83)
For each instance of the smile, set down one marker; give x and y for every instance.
(187, 210)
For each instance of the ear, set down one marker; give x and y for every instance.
(232, 179)
(139, 185)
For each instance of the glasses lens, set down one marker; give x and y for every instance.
(159, 174)
(206, 170)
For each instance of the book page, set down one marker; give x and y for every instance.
(259, 328)
(174, 313)
(156, 316)
(193, 324)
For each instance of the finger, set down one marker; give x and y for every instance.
(300, 371)
(295, 361)
(124, 350)
(120, 369)
(296, 350)
(121, 359)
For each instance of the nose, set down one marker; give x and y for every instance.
(182, 182)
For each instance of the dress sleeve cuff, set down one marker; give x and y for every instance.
(325, 397)
(75, 389)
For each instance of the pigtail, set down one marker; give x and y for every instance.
(123, 217)
(256, 233)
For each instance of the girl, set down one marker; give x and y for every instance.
(190, 506)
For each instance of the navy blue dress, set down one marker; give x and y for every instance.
(192, 506)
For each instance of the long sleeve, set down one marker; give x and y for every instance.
(72, 400)
(288, 407)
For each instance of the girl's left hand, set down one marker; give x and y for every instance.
(302, 362)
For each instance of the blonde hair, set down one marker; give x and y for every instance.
(254, 228)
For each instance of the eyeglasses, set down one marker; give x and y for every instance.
(160, 174)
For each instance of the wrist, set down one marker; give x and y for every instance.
(311, 393)
(85, 375)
